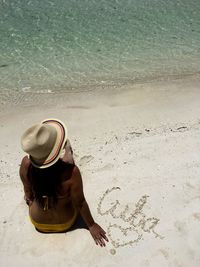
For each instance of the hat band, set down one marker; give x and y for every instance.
(58, 150)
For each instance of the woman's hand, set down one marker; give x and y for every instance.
(98, 234)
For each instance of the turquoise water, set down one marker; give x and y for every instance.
(62, 45)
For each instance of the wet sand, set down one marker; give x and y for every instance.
(137, 147)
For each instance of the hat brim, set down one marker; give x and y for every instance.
(57, 149)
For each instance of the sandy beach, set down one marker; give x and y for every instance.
(138, 149)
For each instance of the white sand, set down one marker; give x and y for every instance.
(143, 139)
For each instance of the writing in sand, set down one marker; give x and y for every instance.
(138, 222)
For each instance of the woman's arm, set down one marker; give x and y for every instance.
(23, 172)
(79, 200)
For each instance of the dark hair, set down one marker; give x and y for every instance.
(47, 182)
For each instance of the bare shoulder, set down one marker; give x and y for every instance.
(76, 174)
(25, 163)
(76, 179)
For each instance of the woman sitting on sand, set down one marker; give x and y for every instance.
(52, 182)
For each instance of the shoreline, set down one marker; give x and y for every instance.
(47, 97)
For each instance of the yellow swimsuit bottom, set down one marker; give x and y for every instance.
(55, 228)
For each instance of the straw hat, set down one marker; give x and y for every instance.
(44, 142)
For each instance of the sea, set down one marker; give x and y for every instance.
(58, 46)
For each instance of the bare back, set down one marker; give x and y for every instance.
(63, 211)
